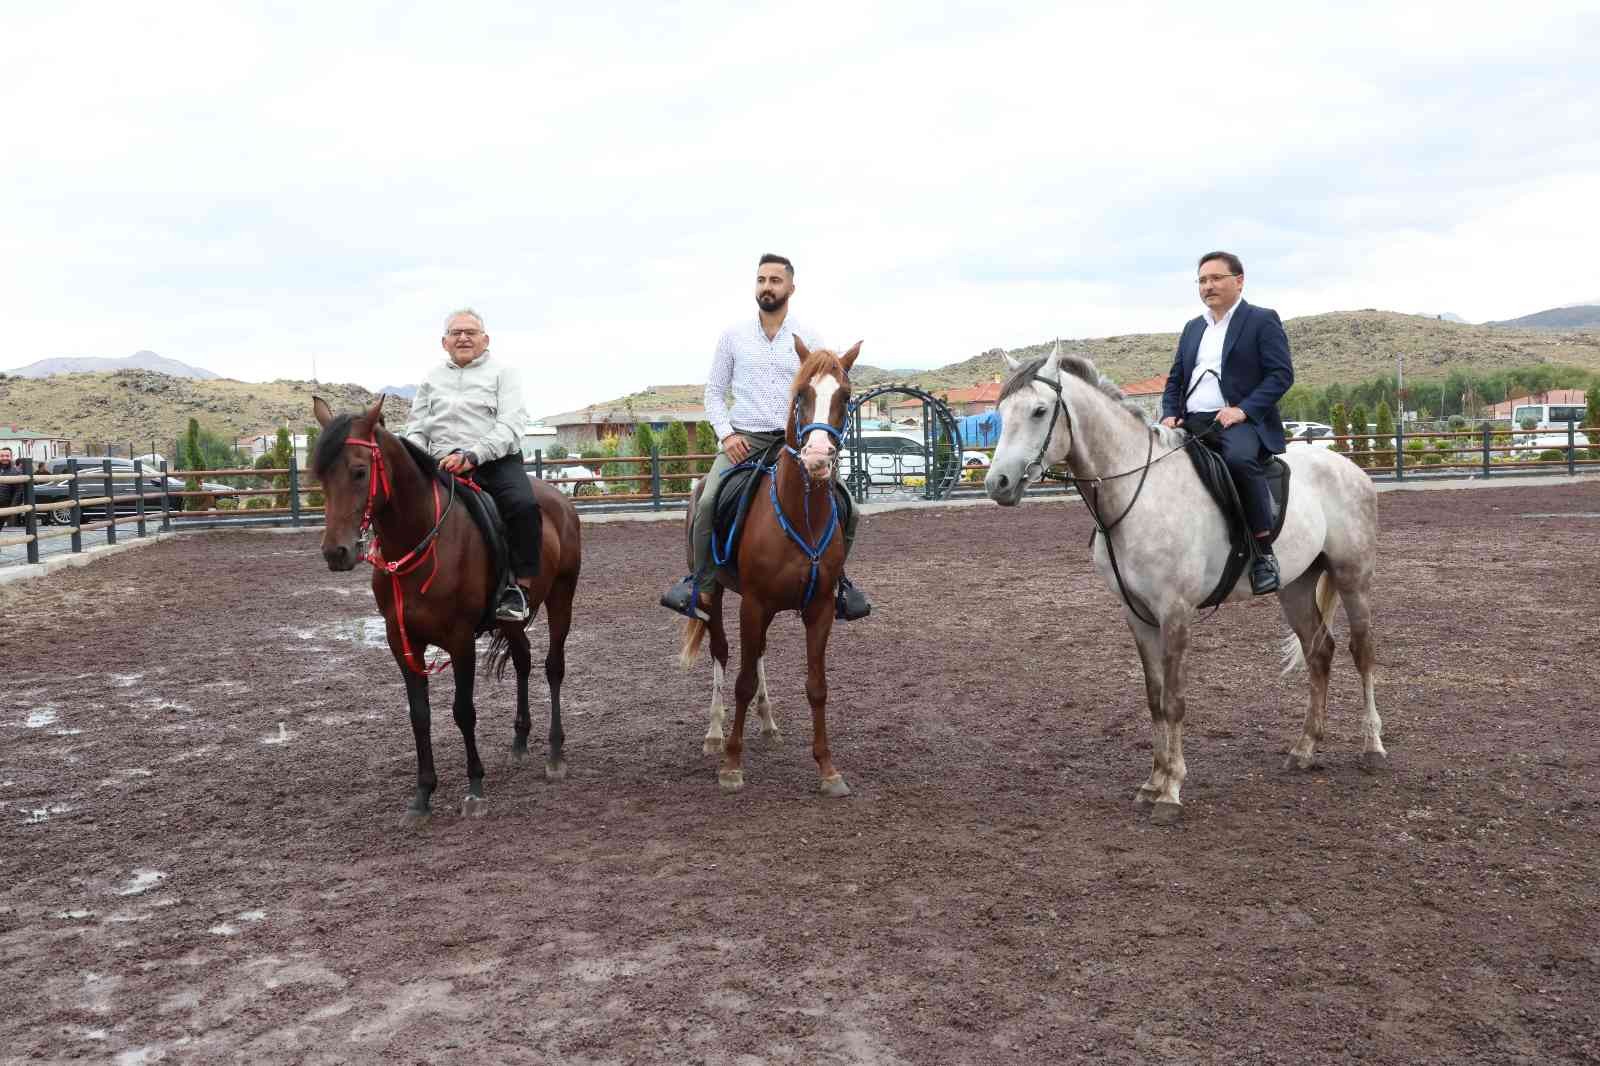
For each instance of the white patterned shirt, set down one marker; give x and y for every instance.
(1205, 383)
(759, 372)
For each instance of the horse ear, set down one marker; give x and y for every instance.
(374, 414)
(850, 357)
(320, 408)
(800, 348)
(1012, 364)
(1054, 362)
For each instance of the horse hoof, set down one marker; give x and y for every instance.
(834, 786)
(1163, 812)
(1300, 763)
(771, 736)
(555, 770)
(414, 819)
(730, 780)
(1145, 797)
(474, 807)
(519, 753)
(1374, 761)
(712, 746)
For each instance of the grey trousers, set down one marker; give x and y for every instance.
(705, 518)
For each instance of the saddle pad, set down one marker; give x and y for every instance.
(1214, 475)
(486, 516)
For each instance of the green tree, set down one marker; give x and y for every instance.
(313, 498)
(675, 442)
(1358, 426)
(192, 459)
(555, 450)
(1591, 420)
(1340, 425)
(705, 443)
(282, 453)
(1385, 441)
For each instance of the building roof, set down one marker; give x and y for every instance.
(1148, 387)
(617, 414)
(1503, 410)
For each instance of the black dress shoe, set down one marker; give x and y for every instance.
(1264, 574)
(513, 605)
(684, 597)
(850, 603)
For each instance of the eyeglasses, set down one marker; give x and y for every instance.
(464, 333)
(1212, 278)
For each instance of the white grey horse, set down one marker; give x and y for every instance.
(1169, 543)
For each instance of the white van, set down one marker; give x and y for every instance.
(1550, 424)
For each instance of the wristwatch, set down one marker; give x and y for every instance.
(472, 458)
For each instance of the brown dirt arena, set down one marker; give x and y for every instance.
(206, 754)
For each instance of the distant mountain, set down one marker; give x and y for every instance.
(1447, 316)
(1582, 316)
(408, 392)
(90, 364)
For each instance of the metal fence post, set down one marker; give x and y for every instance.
(138, 481)
(30, 519)
(166, 501)
(294, 490)
(1488, 438)
(75, 493)
(655, 477)
(111, 508)
(1572, 465)
(1400, 450)
(538, 463)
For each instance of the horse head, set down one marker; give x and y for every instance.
(350, 468)
(1035, 427)
(820, 400)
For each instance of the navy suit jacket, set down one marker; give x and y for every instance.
(1256, 370)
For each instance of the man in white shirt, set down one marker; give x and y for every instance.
(469, 413)
(757, 362)
(1231, 369)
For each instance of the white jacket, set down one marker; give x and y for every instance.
(477, 408)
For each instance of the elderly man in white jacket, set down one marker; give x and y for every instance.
(469, 414)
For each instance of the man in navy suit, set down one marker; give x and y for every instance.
(1231, 370)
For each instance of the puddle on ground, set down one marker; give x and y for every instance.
(44, 814)
(368, 632)
(42, 717)
(124, 680)
(142, 881)
(282, 736)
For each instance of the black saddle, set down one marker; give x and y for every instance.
(486, 516)
(734, 493)
(1214, 475)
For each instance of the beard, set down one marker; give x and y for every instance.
(771, 302)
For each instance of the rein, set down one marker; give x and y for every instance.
(425, 550)
(1101, 525)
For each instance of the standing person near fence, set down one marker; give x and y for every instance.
(469, 413)
(755, 360)
(10, 495)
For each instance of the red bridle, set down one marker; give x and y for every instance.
(406, 563)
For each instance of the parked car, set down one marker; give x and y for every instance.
(91, 484)
(575, 488)
(890, 457)
(1314, 434)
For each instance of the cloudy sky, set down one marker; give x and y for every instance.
(251, 187)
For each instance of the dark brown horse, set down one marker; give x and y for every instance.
(434, 579)
(789, 558)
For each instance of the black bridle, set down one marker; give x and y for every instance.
(1102, 527)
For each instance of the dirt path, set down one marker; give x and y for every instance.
(200, 799)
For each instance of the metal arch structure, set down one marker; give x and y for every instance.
(941, 444)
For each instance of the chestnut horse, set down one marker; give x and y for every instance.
(789, 558)
(434, 579)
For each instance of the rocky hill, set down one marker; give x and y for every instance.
(43, 368)
(141, 406)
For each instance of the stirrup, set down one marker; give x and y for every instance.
(513, 605)
(849, 602)
(684, 598)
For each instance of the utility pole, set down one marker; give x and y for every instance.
(1400, 385)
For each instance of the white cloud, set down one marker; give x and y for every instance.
(248, 188)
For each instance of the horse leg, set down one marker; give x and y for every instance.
(1303, 612)
(558, 613)
(1170, 769)
(463, 659)
(712, 745)
(769, 724)
(421, 728)
(522, 659)
(818, 626)
(1149, 643)
(1358, 611)
(754, 618)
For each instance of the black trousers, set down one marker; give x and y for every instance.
(1245, 455)
(507, 481)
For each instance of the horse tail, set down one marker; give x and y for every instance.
(694, 634)
(497, 656)
(1294, 657)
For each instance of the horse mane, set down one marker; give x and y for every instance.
(1083, 368)
(330, 445)
(821, 361)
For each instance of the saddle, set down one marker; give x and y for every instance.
(486, 516)
(1214, 475)
(737, 488)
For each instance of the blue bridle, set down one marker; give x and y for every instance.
(813, 552)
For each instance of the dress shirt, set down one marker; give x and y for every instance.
(1205, 383)
(759, 372)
